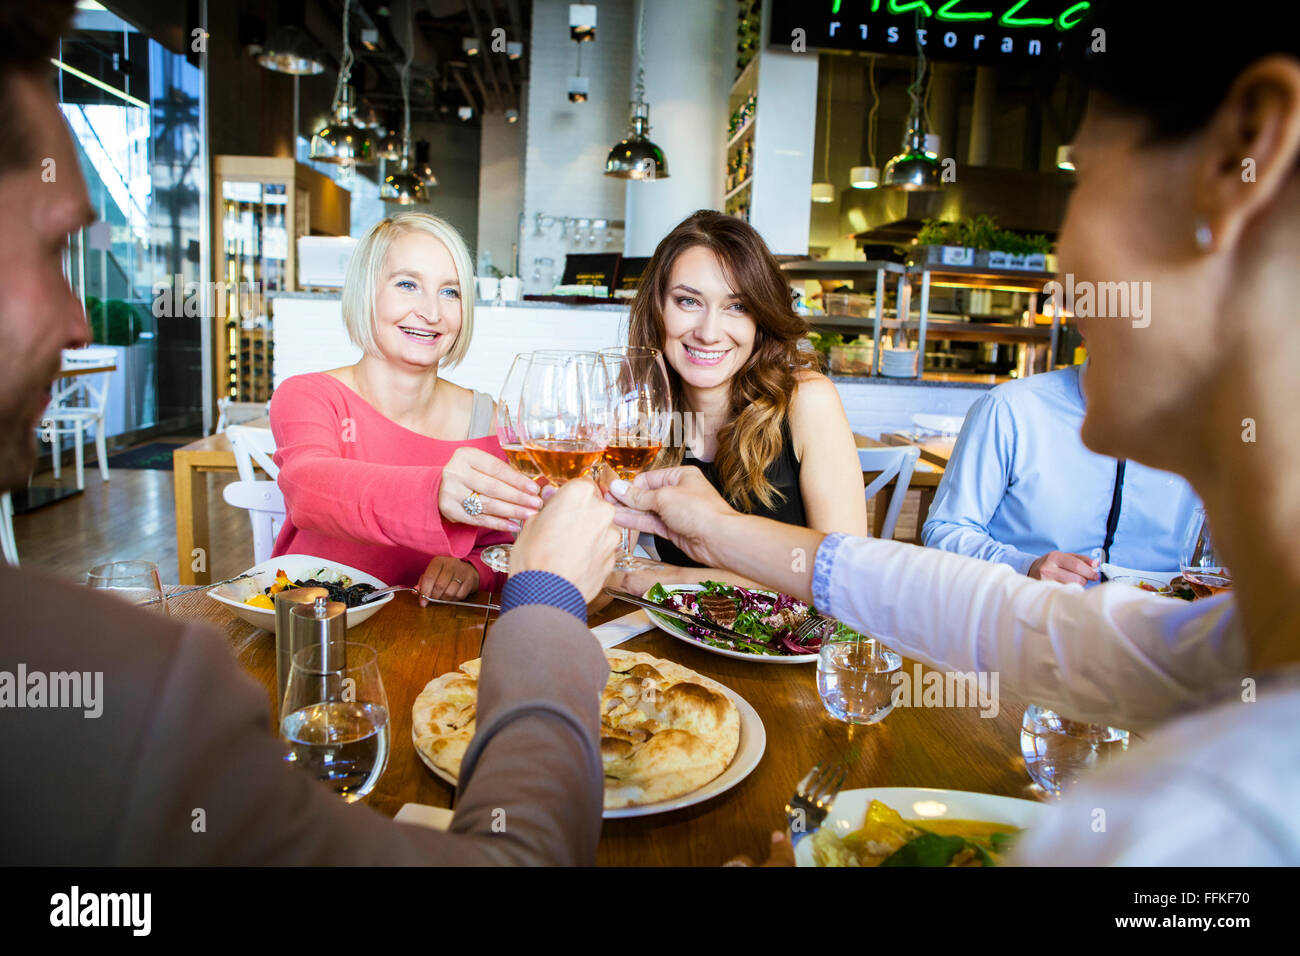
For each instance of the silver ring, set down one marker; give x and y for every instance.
(473, 504)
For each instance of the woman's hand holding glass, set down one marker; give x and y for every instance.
(497, 557)
(505, 498)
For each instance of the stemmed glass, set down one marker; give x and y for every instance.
(135, 581)
(497, 557)
(641, 415)
(564, 413)
(1200, 561)
(335, 717)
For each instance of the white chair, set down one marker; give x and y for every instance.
(8, 543)
(892, 463)
(233, 413)
(78, 404)
(260, 498)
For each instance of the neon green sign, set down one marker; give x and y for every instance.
(1010, 18)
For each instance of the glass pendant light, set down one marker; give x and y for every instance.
(868, 177)
(343, 141)
(914, 169)
(422, 167)
(635, 156)
(824, 191)
(404, 187)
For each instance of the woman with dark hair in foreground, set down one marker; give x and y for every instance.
(1188, 179)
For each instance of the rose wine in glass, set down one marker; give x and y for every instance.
(641, 413)
(497, 556)
(564, 413)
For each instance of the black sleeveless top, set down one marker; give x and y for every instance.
(783, 473)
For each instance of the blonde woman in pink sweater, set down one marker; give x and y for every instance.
(384, 464)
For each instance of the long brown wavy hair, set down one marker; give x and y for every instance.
(761, 391)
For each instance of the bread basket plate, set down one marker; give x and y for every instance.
(749, 751)
(678, 630)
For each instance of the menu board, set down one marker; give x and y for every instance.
(630, 269)
(591, 268)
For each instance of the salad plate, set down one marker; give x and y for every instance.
(749, 620)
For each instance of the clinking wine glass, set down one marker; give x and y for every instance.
(497, 556)
(641, 415)
(1200, 561)
(564, 413)
(335, 717)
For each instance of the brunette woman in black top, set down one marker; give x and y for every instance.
(766, 429)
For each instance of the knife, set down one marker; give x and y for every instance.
(682, 616)
(202, 587)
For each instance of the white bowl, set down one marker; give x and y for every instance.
(296, 566)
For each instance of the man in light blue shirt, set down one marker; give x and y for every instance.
(1022, 489)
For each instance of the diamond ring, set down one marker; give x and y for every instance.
(473, 504)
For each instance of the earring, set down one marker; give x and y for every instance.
(1204, 236)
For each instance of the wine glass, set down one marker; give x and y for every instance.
(497, 557)
(1058, 750)
(335, 717)
(135, 581)
(641, 415)
(564, 413)
(1200, 561)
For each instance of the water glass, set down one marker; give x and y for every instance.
(855, 679)
(135, 581)
(335, 717)
(1058, 751)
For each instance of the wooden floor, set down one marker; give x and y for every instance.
(133, 515)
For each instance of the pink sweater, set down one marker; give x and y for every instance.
(363, 490)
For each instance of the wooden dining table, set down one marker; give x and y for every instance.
(953, 748)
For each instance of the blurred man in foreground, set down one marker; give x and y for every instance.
(180, 727)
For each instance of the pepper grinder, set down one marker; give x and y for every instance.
(285, 601)
(323, 624)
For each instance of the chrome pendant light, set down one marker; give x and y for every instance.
(290, 50)
(914, 169)
(635, 156)
(404, 187)
(343, 141)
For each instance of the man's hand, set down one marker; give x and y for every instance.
(572, 536)
(1064, 567)
(678, 504)
(447, 578)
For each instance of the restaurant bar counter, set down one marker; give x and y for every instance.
(308, 336)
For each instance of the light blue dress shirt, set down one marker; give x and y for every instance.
(1020, 483)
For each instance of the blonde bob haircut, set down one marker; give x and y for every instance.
(361, 282)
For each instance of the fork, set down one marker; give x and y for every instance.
(376, 595)
(812, 799)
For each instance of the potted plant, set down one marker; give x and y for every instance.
(1014, 251)
(944, 243)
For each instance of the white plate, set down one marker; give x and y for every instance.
(678, 630)
(922, 803)
(753, 741)
(298, 567)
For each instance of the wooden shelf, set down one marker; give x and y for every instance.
(739, 189)
(742, 132)
(937, 329)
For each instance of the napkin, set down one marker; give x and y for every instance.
(422, 815)
(622, 629)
